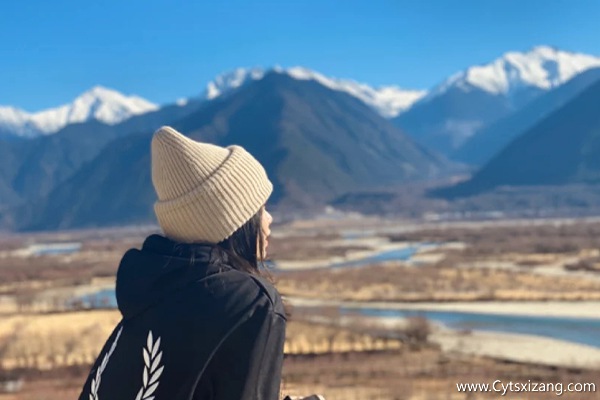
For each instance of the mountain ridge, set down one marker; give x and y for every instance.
(492, 138)
(563, 148)
(544, 67)
(388, 100)
(461, 106)
(112, 107)
(99, 103)
(314, 142)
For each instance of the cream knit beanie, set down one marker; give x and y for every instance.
(205, 192)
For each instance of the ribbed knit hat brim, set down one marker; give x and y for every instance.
(205, 192)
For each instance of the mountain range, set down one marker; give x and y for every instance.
(321, 139)
(563, 148)
(32, 168)
(315, 143)
(99, 103)
(463, 105)
(111, 107)
(389, 101)
(446, 118)
(494, 137)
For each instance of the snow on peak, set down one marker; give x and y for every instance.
(100, 103)
(228, 81)
(12, 115)
(542, 67)
(389, 101)
(182, 102)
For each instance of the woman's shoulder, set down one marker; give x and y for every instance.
(270, 292)
(246, 283)
(253, 288)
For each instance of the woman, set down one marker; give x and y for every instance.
(199, 320)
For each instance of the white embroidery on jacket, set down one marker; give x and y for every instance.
(152, 368)
(96, 381)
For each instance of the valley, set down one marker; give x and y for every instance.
(377, 306)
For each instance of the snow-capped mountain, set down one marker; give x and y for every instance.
(542, 67)
(452, 112)
(102, 104)
(464, 104)
(112, 107)
(389, 101)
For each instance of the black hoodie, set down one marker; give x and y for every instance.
(193, 328)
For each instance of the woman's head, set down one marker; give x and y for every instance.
(206, 193)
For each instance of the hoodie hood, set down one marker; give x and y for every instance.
(146, 276)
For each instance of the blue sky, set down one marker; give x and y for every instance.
(51, 51)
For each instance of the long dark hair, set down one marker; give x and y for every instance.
(244, 246)
(242, 250)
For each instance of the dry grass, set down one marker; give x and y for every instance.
(434, 283)
(312, 247)
(310, 338)
(46, 341)
(474, 273)
(401, 373)
(424, 374)
(522, 239)
(17, 273)
(55, 351)
(358, 369)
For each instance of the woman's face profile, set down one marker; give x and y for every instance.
(266, 230)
